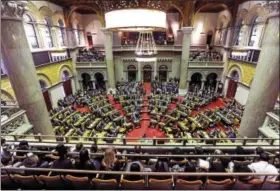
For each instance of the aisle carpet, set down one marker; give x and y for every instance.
(144, 129)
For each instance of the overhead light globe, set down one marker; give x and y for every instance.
(135, 20)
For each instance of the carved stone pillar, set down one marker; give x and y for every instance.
(265, 86)
(20, 66)
(187, 31)
(227, 52)
(109, 59)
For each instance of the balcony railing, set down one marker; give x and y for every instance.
(16, 124)
(96, 64)
(206, 64)
(270, 127)
(160, 48)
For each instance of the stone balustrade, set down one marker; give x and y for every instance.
(270, 127)
(17, 123)
(206, 64)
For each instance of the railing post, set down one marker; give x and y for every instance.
(95, 140)
(15, 137)
(124, 140)
(39, 137)
(154, 141)
(272, 142)
(67, 139)
(244, 142)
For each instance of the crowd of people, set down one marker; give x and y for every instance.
(205, 56)
(110, 159)
(90, 55)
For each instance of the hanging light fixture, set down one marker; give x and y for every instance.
(146, 50)
(203, 33)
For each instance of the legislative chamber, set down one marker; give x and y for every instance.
(140, 95)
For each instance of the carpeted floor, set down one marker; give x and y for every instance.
(145, 122)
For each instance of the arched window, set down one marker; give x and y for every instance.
(29, 26)
(235, 75)
(61, 33)
(254, 36)
(43, 84)
(65, 75)
(47, 33)
(240, 31)
(77, 35)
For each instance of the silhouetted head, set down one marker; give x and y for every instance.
(61, 150)
(264, 157)
(135, 167)
(84, 155)
(240, 150)
(79, 146)
(93, 148)
(137, 149)
(259, 150)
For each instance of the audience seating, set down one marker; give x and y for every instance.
(254, 184)
(271, 185)
(218, 185)
(188, 185)
(79, 183)
(53, 182)
(7, 183)
(100, 184)
(132, 185)
(155, 184)
(28, 182)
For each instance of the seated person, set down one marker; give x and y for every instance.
(134, 167)
(177, 151)
(240, 168)
(217, 167)
(190, 167)
(110, 163)
(84, 163)
(100, 126)
(161, 166)
(77, 149)
(63, 162)
(264, 167)
(23, 145)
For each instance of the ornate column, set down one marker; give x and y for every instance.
(139, 71)
(265, 87)
(187, 85)
(155, 70)
(187, 31)
(227, 52)
(20, 66)
(217, 85)
(202, 84)
(71, 39)
(109, 59)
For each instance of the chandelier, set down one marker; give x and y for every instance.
(146, 50)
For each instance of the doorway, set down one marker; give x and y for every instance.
(162, 73)
(99, 81)
(195, 83)
(131, 73)
(89, 39)
(86, 81)
(147, 73)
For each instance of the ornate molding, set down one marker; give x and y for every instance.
(13, 9)
(271, 6)
(187, 30)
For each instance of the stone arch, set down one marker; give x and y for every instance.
(45, 78)
(131, 67)
(102, 72)
(238, 69)
(256, 11)
(43, 84)
(58, 15)
(147, 65)
(31, 8)
(6, 96)
(163, 67)
(46, 12)
(209, 5)
(223, 21)
(241, 16)
(192, 73)
(63, 68)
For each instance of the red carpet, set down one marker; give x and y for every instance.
(145, 118)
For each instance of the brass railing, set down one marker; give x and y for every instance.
(147, 141)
